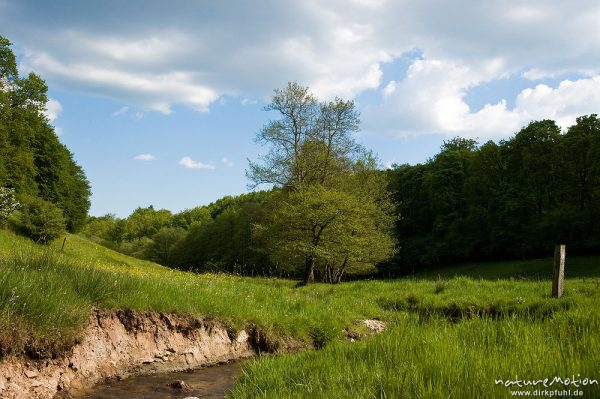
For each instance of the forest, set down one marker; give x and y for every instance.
(37, 172)
(512, 199)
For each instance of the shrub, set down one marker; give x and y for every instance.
(40, 220)
(8, 203)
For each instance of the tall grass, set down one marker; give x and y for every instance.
(436, 359)
(446, 337)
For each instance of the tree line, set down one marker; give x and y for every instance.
(508, 200)
(329, 210)
(40, 181)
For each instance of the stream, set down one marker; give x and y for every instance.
(209, 382)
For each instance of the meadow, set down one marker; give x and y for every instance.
(451, 332)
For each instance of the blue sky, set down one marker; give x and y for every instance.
(160, 102)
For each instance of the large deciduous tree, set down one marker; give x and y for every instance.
(326, 217)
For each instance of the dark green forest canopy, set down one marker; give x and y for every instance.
(512, 199)
(33, 161)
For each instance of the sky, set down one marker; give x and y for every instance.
(160, 102)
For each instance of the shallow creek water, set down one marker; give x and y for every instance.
(209, 382)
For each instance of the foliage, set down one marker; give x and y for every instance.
(285, 163)
(40, 220)
(318, 220)
(225, 242)
(145, 222)
(163, 243)
(512, 199)
(188, 217)
(333, 229)
(8, 203)
(215, 237)
(310, 143)
(32, 159)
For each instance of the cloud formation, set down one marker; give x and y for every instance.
(431, 99)
(192, 53)
(189, 163)
(122, 111)
(144, 157)
(53, 109)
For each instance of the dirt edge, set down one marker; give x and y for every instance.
(122, 343)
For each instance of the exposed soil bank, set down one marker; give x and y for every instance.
(118, 344)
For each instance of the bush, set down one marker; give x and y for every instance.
(40, 220)
(8, 203)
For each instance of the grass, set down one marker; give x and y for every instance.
(47, 296)
(535, 269)
(435, 359)
(447, 337)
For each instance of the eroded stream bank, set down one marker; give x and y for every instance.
(118, 344)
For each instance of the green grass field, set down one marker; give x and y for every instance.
(447, 336)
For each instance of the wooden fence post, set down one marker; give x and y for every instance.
(558, 274)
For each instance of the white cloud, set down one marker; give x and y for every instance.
(144, 157)
(121, 111)
(184, 55)
(155, 91)
(238, 50)
(389, 165)
(53, 109)
(564, 103)
(227, 162)
(390, 88)
(431, 99)
(189, 163)
(247, 101)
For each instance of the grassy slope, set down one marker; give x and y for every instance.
(510, 327)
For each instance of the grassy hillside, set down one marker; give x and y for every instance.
(447, 337)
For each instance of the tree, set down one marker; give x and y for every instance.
(40, 220)
(284, 164)
(532, 156)
(580, 157)
(310, 145)
(163, 242)
(145, 222)
(316, 227)
(311, 142)
(225, 242)
(188, 217)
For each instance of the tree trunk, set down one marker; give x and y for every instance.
(340, 273)
(309, 271)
